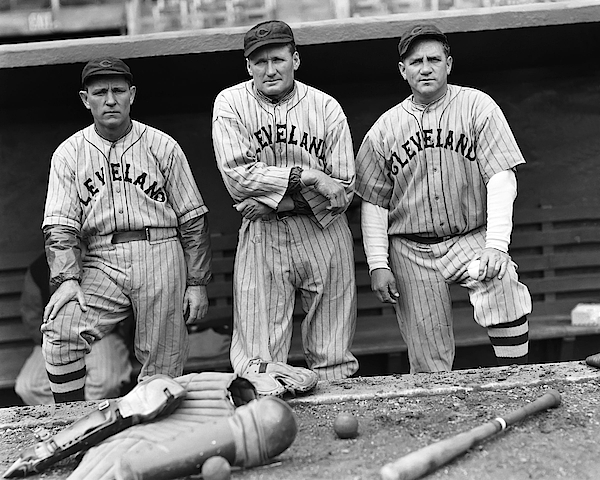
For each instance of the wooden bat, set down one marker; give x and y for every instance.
(427, 459)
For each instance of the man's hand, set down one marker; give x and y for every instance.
(67, 291)
(195, 304)
(493, 263)
(329, 187)
(252, 209)
(383, 284)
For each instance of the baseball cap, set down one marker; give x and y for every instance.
(105, 66)
(267, 33)
(417, 31)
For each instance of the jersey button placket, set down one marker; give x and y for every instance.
(117, 197)
(278, 121)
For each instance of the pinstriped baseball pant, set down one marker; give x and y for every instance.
(277, 257)
(424, 309)
(146, 278)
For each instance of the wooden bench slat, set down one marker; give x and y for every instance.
(17, 260)
(528, 216)
(11, 283)
(13, 331)
(556, 261)
(567, 283)
(555, 237)
(9, 308)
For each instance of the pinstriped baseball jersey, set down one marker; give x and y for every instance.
(142, 180)
(258, 142)
(430, 165)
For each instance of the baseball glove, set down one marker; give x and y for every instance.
(593, 360)
(278, 378)
(210, 397)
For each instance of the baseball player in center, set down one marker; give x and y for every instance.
(285, 154)
(437, 176)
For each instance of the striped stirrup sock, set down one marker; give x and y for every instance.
(511, 342)
(67, 382)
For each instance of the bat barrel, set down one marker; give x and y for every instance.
(425, 460)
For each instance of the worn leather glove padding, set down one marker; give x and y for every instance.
(210, 396)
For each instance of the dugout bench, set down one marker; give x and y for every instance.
(557, 250)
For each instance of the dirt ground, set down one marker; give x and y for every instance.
(402, 413)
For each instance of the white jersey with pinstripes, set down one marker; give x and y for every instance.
(429, 165)
(258, 142)
(141, 180)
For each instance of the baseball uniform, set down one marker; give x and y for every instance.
(429, 165)
(257, 143)
(107, 365)
(129, 201)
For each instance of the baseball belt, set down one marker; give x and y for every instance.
(148, 233)
(426, 240)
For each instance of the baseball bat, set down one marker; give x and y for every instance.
(429, 458)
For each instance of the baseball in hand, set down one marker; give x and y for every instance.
(345, 425)
(473, 269)
(216, 468)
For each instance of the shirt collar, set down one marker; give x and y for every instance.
(264, 98)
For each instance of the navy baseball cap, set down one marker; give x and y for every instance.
(106, 66)
(270, 32)
(419, 31)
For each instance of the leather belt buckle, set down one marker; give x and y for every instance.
(425, 240)
(130, 236)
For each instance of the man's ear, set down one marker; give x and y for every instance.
(248, 69)
(132, 91)
(83, 94)
(296, 60)
(402, 69)
(449, 63)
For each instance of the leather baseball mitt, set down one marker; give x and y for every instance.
(278, 378)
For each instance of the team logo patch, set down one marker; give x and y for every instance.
(106, 63)
(262, 32)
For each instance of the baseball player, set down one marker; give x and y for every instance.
(285, 154)
(437, 177)
(107, 366)
(126, 190)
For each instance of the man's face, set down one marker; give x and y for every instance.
(272, 68)
(109, 99)
(426, 69)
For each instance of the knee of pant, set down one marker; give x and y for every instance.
(62, 351)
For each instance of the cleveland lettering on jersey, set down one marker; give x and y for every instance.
(423, 139)
(311, 144)
(117, 174)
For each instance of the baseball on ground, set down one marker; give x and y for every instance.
(216, 468)
(345, 425)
